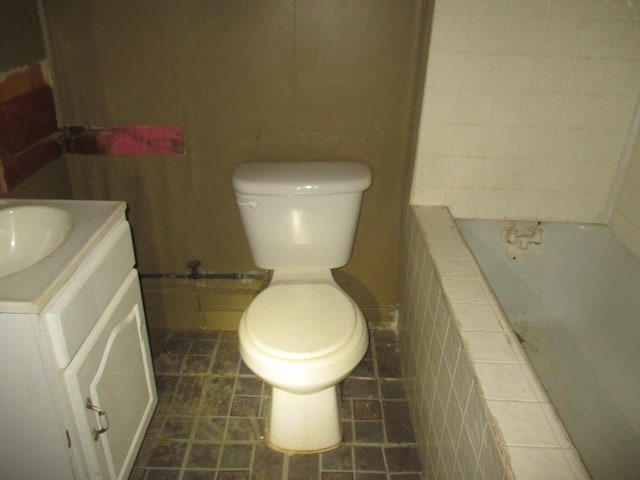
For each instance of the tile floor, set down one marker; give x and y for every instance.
(211, 416)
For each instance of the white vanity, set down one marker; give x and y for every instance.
(76, 383)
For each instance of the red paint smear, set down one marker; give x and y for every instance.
(132, 140)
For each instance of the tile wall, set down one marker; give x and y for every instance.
(625, 218)
(478, 409)
(526, 107)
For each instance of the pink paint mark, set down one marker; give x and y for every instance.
(131, 140)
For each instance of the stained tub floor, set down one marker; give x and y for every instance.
(211, 415)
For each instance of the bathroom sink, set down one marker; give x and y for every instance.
(42, 242)
(29, 233)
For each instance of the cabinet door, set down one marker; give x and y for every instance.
(111, 386)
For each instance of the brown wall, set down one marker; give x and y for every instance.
(20, 37)
(248, 80)
(24, 123)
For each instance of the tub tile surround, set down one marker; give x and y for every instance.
(478, 408)
(211, 414)
(625, 218)
(526, 107)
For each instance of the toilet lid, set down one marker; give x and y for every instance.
(300, 321)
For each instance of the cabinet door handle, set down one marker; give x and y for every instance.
(103, 420)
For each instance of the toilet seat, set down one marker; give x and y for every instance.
(301, 321)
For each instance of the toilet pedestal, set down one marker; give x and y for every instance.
(304, 423)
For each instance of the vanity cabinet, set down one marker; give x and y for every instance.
(76, 382)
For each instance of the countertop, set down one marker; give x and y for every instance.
(29, 290)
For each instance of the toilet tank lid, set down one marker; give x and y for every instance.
(301, 177)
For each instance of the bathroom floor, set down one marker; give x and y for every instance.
(211, 416)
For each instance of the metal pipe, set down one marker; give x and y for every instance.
(201, 275)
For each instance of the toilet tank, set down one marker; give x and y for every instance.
(300, 215)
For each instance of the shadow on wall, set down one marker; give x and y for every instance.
(363, 296)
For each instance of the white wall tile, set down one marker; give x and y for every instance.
(528, 8)
(458, 268)
(492, 203)
(514, 72)
(626, 231)
(604, 145)
(465, 172)
(497, 8)
(500, 173)
(433, 171)
(504, 141)
(474, 107)
(525, 204)
(487, 34)
(578, 110)
(566, 8)
(628, 201)
(593, 37)
(593, 176)
(462, 290)
(523, 423)
(504, 382)
(544, 109)
(525, 34)
(437, 140)
(480, 71)
(536, 142)
(587, 75)
(559, 35)
(536, 463)
(444, 70)
(469, 139)
(621, 77)
(462, 201)
(522, 81)
(442, 107)
(488, 347)
(550, 74)
(450, 33)
(509, 108)
(458, 7)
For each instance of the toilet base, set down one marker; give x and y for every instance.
(304, 423)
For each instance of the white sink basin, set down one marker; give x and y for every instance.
(29, 233)
(42, 242)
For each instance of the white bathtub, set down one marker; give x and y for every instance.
(574, 302)
(478, 408)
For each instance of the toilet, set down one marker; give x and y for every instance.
(302, 334)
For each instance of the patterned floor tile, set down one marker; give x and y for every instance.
(212, 412)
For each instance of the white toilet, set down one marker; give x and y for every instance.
(302, 334)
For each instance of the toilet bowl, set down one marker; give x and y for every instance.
(303, 339)
(302, 334)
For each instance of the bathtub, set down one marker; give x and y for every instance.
(574, 303)
(478, 408)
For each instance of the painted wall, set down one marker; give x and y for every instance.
(23, 70)
(248, 80)
(526, 107)
(20, 37)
